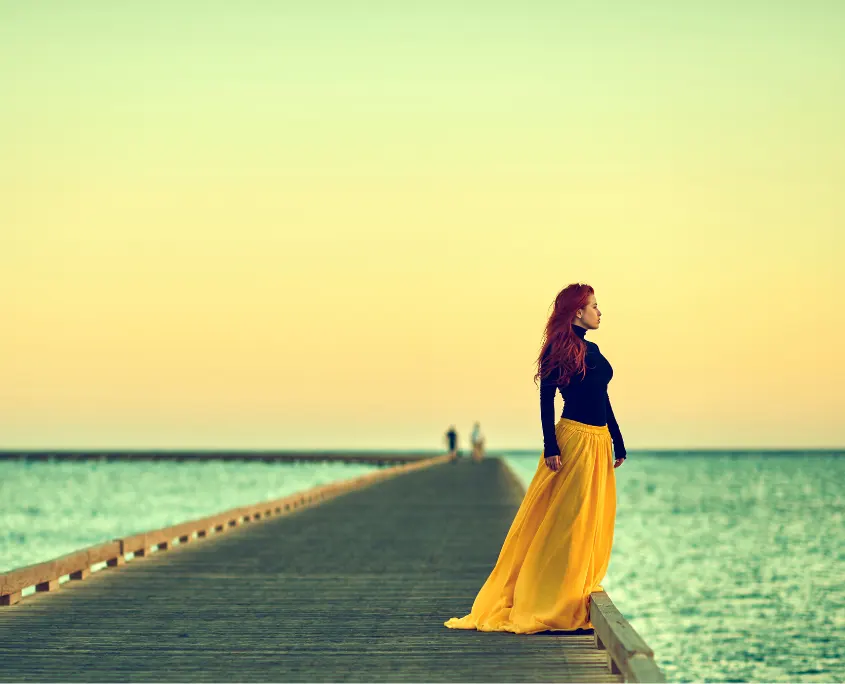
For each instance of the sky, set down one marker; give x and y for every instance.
(341, 225)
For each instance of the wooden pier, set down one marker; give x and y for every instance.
(351, 587)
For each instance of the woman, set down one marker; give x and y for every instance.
(558, 547)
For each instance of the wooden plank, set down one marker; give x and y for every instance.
(613, 629)
(619, 637)
(41, 573)
(10, 598)
(134, 543)
(49, 585)
(642, 668)
(102, 552)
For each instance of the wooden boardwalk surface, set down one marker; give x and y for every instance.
(354, 589)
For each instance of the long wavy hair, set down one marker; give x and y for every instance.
(562, 350)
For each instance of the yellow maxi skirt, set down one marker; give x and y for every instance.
(558, 547)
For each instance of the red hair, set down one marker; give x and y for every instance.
(562, 350)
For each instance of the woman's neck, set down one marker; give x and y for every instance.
(579, 330)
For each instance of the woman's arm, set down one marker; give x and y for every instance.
(615, 433)
(548, 389)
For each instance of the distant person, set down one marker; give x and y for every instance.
(477, 441)
(452, 442)
(557, 550)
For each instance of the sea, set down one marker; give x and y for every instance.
(729, 564)
(50, 508)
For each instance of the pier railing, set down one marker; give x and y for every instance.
(628, 653)
(48, 576)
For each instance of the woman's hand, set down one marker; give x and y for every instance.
(618, 462)
(553, 463)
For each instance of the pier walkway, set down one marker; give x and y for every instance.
(353, 589)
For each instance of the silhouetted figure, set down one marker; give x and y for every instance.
(452, 442)
(477, 441)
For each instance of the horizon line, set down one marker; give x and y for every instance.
(317, 450)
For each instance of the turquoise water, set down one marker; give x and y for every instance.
(731, 566)
(51, 508)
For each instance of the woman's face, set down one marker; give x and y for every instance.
(590, 315)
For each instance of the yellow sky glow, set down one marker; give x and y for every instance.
(277, 230)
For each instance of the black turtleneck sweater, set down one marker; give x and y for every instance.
(584, 399)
